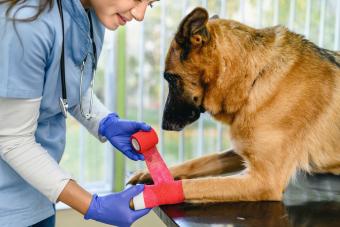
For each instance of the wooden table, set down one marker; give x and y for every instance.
(319, 208)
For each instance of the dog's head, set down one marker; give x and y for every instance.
(202, 69)
(184, 102)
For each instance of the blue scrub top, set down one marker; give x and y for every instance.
(30, 68)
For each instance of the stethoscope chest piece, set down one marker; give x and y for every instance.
(63, 106)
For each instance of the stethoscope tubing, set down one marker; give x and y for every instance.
(63, 101)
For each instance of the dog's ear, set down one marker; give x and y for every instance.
(192, 31)
(193, 27)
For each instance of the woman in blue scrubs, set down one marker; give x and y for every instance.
(49, 49)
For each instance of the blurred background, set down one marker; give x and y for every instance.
(130, 82)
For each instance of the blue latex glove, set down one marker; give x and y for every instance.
(114, 209)
(119, 131)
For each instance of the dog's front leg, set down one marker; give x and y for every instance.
(222, 189)
(241, 187)
(209, 165)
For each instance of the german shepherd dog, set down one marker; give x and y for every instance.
(278, 92)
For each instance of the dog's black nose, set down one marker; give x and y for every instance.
(165, 126)
(202, 109)
(170, 126)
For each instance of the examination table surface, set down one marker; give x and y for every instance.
(310, 201)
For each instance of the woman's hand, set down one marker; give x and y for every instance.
(119, 131)
(114, 208)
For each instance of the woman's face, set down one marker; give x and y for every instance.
(115, 13)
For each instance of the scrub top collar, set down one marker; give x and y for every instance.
(79, 15)
(76, 9)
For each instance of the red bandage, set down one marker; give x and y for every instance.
(163, 193)
(165, 190)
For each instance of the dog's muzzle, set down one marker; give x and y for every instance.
(175, 118)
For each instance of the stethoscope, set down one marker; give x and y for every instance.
(63, 102)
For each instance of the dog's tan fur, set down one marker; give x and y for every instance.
(279, 93)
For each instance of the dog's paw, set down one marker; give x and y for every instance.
(141, 177)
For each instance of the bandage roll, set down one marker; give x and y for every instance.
(143, 141)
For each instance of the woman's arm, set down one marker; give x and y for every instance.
(76, 197)
(99, 111)
(30, 160)
(33, 163)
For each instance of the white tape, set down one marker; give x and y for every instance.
(135, 144)
(138, 202)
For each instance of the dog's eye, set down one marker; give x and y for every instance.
(171, 78)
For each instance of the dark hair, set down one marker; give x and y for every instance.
(43, 4)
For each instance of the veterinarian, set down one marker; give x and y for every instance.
(48, 55)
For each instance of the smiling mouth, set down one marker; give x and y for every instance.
(122, 20)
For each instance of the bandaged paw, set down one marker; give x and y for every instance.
(159, 194)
